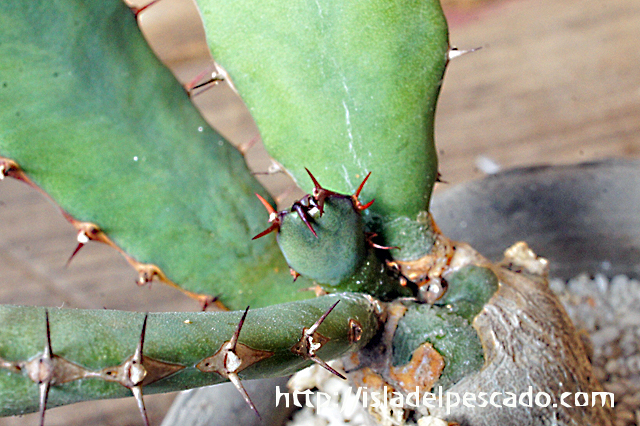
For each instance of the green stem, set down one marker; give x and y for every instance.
(96, 340)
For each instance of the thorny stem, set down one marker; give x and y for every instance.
(98, 352)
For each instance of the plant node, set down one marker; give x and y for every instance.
(232, 358)
(312, 341)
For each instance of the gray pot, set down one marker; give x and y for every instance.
(583, 218)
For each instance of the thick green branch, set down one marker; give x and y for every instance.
(98, 341)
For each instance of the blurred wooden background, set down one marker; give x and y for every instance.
(556, 81)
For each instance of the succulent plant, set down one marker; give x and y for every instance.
(343, 90)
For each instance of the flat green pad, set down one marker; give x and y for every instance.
(342, 88)
(96, 121)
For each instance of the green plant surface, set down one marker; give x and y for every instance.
(99, 124)
(451, 335)
(335, 249)
(343, 88)
(97, 339)
(469, 289)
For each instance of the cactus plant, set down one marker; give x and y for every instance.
(89, 116)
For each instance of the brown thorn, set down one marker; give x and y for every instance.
(312, 341)
(209, 84)
(137, 394)
(83, 238)
(234, 339)
(238, 385)
(326, 366)
(295, 274)
(439, 178)
(315, 326)
(44, 383)
(10, 168)
(78, 247)
(301, 210)
(137, 357)
(48, 352)
(317, 185)
(233, 357)
(194, 83)
(319, 193)
(274, 227)
(137, 373)
(44, 395)
(206, 301)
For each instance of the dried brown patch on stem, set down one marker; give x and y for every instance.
(427, 272)
(422, 371)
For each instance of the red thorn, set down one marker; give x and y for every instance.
(357, 194)
(266, 205)
(362, 207)
(305, 218)
(273, 218)
(357, 203)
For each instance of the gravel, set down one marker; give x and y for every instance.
(608, 310)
